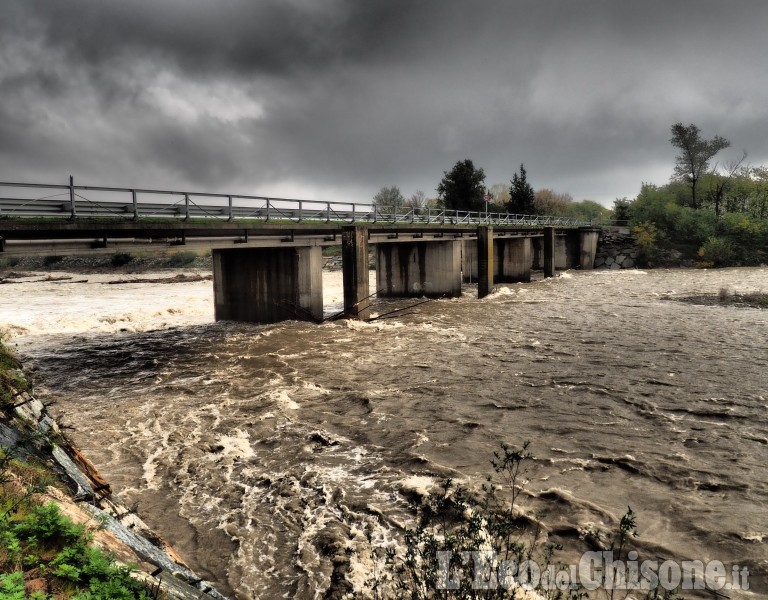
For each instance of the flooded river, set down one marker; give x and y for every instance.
(253, 448)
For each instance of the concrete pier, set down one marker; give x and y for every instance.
(267, 285)
(418, 268)
(548, 251)
(588, 237)
(485, 261)
(513, 257)
(354, 254)
(568, 250)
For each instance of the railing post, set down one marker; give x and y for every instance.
(328, 212)
(186, 207)
(268, 212)
(375, 213)
(73, 208)
(300, 209)
(135, 205)
(229, 204)
(353, 212)
(429, 216)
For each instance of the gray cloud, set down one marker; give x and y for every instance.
(338, 98)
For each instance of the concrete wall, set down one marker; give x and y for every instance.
(267, 285)
(430, 269)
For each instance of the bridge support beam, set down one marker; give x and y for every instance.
(431, 269)
(588, 237)
(354, 255)
(267, 285)
(485, 261)
(548, 250)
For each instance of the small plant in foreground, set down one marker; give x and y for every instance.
(468, 545)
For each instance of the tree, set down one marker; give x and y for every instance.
(521, 195)
(462, 187)
(417, 200)
(549, 202)
(695, 153)
(621, 211)
(389, 200)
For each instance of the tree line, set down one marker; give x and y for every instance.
(712, 212)
(463, 188)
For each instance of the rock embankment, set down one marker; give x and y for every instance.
(27, 428)
(616, 251)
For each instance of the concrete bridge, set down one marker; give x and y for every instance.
(267, 270)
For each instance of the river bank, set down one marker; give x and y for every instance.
(260, 447)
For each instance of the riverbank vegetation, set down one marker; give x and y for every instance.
(715, 214)
(43, 554)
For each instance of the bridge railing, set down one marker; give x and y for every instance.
(80, 201)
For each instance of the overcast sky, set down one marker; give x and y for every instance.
(333, 99)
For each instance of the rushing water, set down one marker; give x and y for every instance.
(259, 451)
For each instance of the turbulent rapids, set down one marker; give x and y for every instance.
(259, 451)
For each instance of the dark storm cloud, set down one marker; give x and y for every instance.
(342, 97)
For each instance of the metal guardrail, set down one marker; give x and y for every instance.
(75, 201)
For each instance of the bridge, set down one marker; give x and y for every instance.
(266, 251)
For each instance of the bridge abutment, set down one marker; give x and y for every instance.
(419, 268)
(267, 285)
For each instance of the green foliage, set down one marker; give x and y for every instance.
(120, 259)
(521, 195)
(462, 187)
(621, 211)
(646, 237)
(182, 259)
(49, 544)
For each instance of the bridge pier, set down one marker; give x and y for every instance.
(588, 237)
(485, 261)
(548, 251)
(267, 285)
(418, 268)
(354, 256)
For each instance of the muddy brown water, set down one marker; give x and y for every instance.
(255, 448)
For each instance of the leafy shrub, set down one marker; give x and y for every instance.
(54, 547)
(646, 237)
(182, 259)
(121, 258)
(717, 252)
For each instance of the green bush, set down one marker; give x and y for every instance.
(182, 259)
(717, 252)
(120, 259)
(54, 547)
